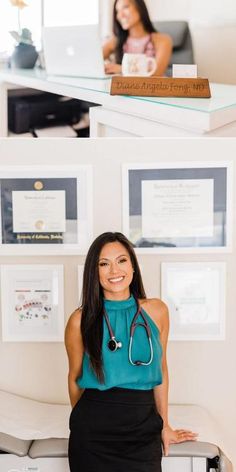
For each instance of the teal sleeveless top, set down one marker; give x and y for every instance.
(118, 371)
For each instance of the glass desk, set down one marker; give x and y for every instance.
(132, 116)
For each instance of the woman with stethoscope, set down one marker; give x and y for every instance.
(118, 378)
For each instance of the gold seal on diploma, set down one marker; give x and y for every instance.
(39, 225)
(38, 185)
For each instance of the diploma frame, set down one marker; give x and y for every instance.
(32, 303)
(133, 176)
(76, 184)
(195, 295)
(80, 273)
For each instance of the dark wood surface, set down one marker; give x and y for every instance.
(160, 87)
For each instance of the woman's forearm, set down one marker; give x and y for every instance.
(161, 396)
(75, 391)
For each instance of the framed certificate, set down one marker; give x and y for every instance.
(178, 207)
(32, 303)
(195, 295)
(80, 283)
(45, 210)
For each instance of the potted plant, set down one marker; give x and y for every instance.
(24, 55)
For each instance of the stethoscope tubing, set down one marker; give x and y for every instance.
(138, 363)
(133, 326)
(112, 336)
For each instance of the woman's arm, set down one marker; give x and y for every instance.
(161, 391)
(75, 350)
(109, 47)
(163, 46)
(159, 312)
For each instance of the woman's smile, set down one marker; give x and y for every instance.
(116, 279)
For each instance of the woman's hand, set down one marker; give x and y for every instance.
(171, 436)
(111, 68)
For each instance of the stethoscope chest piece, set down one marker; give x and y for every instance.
(113, 344)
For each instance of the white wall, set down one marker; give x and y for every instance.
(200, 372)
(215, 51)
(213, 29)
(209, 12)
(167, 9)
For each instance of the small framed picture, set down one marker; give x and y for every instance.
(32, 303)
(45, 210)
(195, 295)
(178, 207)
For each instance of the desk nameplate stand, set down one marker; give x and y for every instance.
(160, 87)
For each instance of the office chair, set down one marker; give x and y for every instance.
(182, 42)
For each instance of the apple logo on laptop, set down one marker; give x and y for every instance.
(70, 51)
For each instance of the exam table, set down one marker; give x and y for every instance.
(34, 438)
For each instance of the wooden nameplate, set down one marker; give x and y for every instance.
(160, 87)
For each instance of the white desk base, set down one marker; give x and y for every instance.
(105, 123)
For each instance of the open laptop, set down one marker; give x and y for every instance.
(74, 51)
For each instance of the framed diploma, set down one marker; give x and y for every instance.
(178, 207)
(32, 303)
(45, 210)
(195, 295)
(80, 283)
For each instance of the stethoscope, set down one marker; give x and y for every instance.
(114, 345)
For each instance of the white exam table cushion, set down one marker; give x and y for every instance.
(49, 448)
(59, 448)
(13, 445)
(29, 419)
(194, 448)
(197, 419)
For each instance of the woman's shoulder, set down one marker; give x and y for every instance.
(157, 310)
(113, 39)
(73, 335)
(153, 303)
(110, 42)
(161, 38)
(74, 320)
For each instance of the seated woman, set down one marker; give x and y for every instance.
(134, 33)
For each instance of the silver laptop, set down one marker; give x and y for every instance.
(73, 51)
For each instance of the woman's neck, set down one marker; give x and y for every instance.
(122, 295)
(137, 31)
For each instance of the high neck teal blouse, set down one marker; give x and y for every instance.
(119, 372)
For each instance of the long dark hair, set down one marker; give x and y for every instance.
(92, 297)
(122, 35)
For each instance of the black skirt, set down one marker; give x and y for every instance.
(116, 430)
